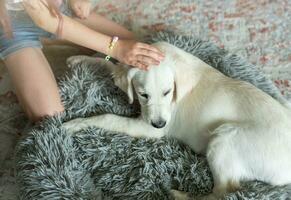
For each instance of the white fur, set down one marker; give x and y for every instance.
(244, 133)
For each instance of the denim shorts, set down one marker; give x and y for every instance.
(25, 32)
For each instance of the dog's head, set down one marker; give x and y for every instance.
(157, 89)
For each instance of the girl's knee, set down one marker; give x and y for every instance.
(39, 114)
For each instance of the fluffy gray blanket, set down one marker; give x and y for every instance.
(96, 164)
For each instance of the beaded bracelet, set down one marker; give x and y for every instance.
(111, 46)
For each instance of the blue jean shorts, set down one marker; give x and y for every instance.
(25, 32)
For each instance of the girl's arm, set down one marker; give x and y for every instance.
(71, 29)
(129, 52)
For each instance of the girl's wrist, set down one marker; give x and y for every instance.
(113, 48)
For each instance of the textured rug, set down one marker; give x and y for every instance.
(256, 30)
(97, 164)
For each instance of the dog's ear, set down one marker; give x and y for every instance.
(129, 84)
(122, 76)
(183, 78)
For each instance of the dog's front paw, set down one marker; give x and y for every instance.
(74, 125)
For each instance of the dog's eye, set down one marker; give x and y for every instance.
(167, 92)
(144, 95)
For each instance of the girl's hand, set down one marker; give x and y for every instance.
(137, 54)
(81, 8)
(38, 11)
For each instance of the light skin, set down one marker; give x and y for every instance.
(129, 52)
(31, 74)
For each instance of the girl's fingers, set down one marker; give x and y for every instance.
(82, 11)
(31, 3)
(147, 60)
(79, 11)
(51, 8)
(151, 48)
(88, 10)
(139, 65)
(44, 3)
(149, 53)
(36, 4)
(76, 10)
(85, 11)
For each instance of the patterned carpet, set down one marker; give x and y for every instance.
(259, 31)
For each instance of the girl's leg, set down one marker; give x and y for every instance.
(34, 83)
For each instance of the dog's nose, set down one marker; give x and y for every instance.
(158, 124)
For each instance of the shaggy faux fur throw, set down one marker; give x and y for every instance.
(96, 164)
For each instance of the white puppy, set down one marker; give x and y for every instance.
(244, 133)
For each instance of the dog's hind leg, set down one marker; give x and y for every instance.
(179, 195)
(89, 60)
(76, 60)
(225, 164)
